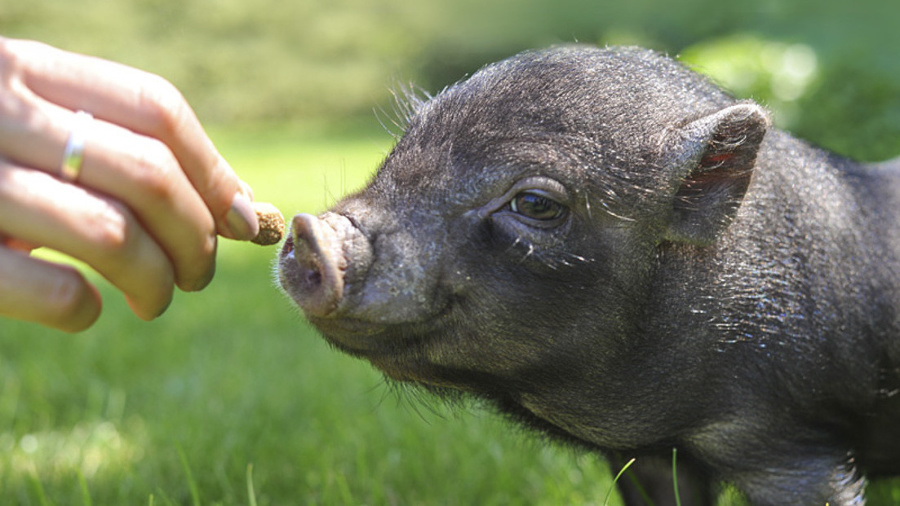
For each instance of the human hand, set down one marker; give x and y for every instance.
(142, 207)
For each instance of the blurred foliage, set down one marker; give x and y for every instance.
(264, 60)
(775, 73)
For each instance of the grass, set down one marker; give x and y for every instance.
(231, 399)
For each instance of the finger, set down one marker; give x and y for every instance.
(91, 228)
(50, 294)
(142, 173)
(146, 104)
(16, 244)
(134, 169)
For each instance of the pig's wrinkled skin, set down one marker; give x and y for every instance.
(614, 251)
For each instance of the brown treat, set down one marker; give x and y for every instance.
(271, 224)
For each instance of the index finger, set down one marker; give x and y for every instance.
(146, 104)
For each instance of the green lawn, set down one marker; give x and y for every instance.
(230, 397)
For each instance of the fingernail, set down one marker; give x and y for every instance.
(241, 218)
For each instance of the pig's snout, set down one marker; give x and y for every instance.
(313, 265)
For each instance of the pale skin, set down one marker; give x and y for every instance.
(150, 200)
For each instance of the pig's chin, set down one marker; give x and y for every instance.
(372, 340)
(399, 349)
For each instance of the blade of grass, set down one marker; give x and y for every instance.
(344, 489)
(38, 488)
(675, 476)
(164, 497)
(251, 494)
(85, 493)
(640, 489)
(616, 480)
(195, 492)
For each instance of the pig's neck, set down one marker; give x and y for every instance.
(808, 274)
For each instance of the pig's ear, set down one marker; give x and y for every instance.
(713, 158)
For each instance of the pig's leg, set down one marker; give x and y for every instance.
(650, 477)
(812, 480)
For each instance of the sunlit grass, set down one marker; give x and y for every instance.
(86, 451)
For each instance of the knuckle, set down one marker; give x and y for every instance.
(156, 171)
(15, 101)
(163, 105)
(65, 297)
(10, 54)
(109, 227)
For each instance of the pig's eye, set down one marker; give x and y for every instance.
(537, 207)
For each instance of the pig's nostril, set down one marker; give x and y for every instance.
(288, 247)
(307, 257)
(316, 252)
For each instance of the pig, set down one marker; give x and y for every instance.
(615, 252)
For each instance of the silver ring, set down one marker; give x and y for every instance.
(73, 155)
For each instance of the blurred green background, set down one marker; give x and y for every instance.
(289, 60)
(230, 398)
